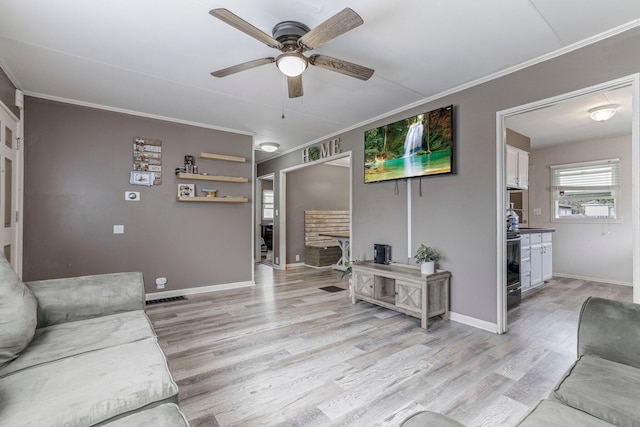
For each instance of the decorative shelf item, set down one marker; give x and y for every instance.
(224, 157)
(214, 199)
(209, 192)
(183, 175)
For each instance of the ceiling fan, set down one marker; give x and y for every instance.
(293, 38)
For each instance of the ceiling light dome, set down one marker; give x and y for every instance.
(269, 147)
(604, 112)
(291, 64)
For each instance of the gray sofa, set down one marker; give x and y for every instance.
(602, 388)
(81, 352)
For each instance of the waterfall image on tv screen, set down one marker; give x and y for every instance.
(417, 146)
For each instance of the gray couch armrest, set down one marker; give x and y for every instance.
(610, 330)
(85, 297)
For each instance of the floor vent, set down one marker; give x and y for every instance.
(332, 289)
(161, 300)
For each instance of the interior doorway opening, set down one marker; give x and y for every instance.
(506, 117)
(265, 210)
(285, 254)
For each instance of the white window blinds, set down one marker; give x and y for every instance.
(597, 175)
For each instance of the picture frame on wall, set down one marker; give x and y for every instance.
(142, 178)
(186, 190)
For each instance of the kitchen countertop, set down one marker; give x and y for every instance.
(525, 230)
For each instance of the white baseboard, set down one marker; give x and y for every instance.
(199, 290)
(296, 265)
(326, 267)
(472, 321)
(592, 279)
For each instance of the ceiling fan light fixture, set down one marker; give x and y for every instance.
(292, 64)
(269, 147)
(604, 112)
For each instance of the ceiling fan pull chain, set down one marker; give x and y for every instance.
(284, 92)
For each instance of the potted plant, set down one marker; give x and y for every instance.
(347, 271)
(427, 257)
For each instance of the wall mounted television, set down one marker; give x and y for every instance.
(418, 146)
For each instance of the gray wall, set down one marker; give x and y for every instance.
(318, 187)
(595, 250)
(8, 93)
(518, 140)
(77, 169)
(457, 214)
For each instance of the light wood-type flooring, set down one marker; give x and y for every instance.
(285, 353)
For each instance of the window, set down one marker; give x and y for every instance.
(267, 204)
(586, 191)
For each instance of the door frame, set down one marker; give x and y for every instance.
(258, 213)
(18, 190)
(281, 216)
(633, 81)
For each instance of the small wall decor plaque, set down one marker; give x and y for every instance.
(147, 157)
(141, 178)
(186, 190)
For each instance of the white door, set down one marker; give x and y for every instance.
(8, 187)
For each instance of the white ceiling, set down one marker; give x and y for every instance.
(154, 57)
(569, 121)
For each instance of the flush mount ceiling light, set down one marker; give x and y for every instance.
(269, 147)
(291, 64)
(604, 112)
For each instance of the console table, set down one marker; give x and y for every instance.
(402, 288)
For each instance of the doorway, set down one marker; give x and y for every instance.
(542, 205)
(282, 260)
(265, 204)
(10, 166)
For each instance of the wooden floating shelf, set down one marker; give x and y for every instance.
(212, 156)
(182, 175)
(213, 199)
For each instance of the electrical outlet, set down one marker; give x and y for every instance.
(537, 211)
(297, 257)
(118, 229)
(277, 261)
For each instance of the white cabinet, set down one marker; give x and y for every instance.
(517, 168)
(536, 263)
(525, 263)
(547, 255)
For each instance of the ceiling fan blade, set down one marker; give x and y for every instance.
(338, 24)
(242, 25)
(295, 86)
(241, 67)
(340, 66)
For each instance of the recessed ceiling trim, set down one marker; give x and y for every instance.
(551, 55)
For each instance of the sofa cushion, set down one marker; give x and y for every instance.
(428, 418)
(167, 415)
(18, 314)
(553, 414)
(69, 339)
(89, 388)
(605, 389)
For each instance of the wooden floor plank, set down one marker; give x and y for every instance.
(285, 353)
